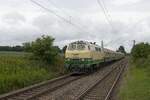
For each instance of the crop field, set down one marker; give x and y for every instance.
(17, 70)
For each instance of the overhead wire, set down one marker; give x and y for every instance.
(105, 11)
(132, 27)
(61, 17)
(78, 24)
(108, 17)
(57, 7)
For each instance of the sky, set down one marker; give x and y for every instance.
(23, 21)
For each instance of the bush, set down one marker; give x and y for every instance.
(17, 71)
(140, 51)
(43, 49)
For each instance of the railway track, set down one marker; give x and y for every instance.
(96, 86)
(31, 92)
(103, 88)
(75, 89)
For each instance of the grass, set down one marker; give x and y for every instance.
(136, 84)
(17, 70)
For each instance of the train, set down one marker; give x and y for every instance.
(83, 56)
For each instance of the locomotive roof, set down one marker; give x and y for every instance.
(94, 44)
(85, 42)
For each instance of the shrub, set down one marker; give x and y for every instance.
(43, 49)
(141, 50)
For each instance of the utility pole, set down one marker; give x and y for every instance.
(102, 45)
(134, 43)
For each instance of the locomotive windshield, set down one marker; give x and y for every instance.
(72, 47)
(76, 46)
(80, 46)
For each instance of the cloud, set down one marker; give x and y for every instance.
(27, 21)
(125, 2)
(13, 18)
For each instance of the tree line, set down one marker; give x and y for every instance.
(11, 48)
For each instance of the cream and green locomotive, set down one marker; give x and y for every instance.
(82, 56)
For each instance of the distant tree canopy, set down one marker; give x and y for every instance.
(57, 49)
(11, 48)
(141, 50)
(27, 47)
(43, 48)
(121, 49)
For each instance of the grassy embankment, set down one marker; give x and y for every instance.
(136, 85)
(17, 70)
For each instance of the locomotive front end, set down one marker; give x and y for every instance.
(77, 56)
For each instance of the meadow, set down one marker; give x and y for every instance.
(18, 70)
(136, 84)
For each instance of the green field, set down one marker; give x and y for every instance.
(18, 70)
(136, 85)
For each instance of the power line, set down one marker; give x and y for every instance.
(132, 27)
(53, 12)
(57, 7)
(105, 11)
(70, 17)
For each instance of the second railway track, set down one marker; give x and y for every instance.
(38, 89)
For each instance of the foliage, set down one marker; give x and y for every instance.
(27, 47)
(141, 50)
(57, 49)
(121, 49)
(136, 83)
(43, 49)
(17, 70)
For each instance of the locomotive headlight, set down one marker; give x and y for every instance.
(67, 59)
(82, 59)
(88, 59)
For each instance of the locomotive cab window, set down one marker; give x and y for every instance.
(80, 46)
(72, 47)
(76, 46)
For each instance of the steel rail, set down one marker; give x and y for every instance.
(115, 83)
(93, 85)
(32, 87)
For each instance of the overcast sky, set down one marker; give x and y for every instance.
(22, 21)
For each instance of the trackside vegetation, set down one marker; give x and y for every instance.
(21, 69)
(136, 85)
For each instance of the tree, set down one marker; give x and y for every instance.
(27, 47)
(121, 49)
(42, 48)
(57, 49)
(141, 50)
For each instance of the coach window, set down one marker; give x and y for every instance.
(96, 49)
(100, 49)
(89, 47)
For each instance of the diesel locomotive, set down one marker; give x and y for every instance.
(83, 56)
